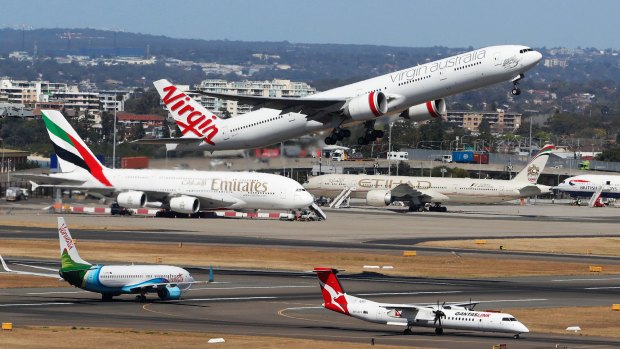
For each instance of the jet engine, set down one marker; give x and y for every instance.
(425, 111)
(169, 292)
(131, 199)
(378, 198)
(366, 107)
(185, 204)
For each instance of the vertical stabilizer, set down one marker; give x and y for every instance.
(69, 255)
(73, 154)
(194, 120)
(334, 297)
(532, 171)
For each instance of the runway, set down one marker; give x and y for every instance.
(289, 304)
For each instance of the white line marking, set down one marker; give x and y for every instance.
(300, 308)
(251, 287)
(513, 300)
(599, 279)
(55, 292)
(406, 293)
(601, 288)
(32, 304)
(228, 299)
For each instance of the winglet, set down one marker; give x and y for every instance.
(4, 265)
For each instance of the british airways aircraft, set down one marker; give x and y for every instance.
(415, 94)
(168, 282)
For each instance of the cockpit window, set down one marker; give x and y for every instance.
(525, 50)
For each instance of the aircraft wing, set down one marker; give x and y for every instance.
(150, 286)
(10, 271)
(533, 190)
(405, 191)
(50, 180)
(411, 307)
(213, 200)
(282, 103)
(161, 141)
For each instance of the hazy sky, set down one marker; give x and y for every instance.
(451, 23)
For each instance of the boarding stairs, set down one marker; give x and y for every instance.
(344, 194)
(596, 195)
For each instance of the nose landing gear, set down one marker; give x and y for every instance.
(515, 85)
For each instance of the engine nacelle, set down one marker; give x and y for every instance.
(425, 111)
(131, 199)
(185, 204)
(169, 293)
(378, 198)
(367, 107)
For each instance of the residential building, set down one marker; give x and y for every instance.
(500, 120)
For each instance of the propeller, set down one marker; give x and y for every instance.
(439, 313)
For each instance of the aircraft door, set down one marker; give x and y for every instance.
(497, 61)
(502, 192)
(225, 133)
(455, 188)
(291, 117)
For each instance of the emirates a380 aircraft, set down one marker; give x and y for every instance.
(414, 93)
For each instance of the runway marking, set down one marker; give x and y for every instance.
(228, 298)
(56, 292)
(281, 313)
(157, 312)
(34, 304)
(601, 288)
(513, 300)
(251, 287)
(406, 293)
(595, 279)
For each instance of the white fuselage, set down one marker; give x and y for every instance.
(249, 190)
(457, 318)
(587, 185)
(455, 190)
(404, 88)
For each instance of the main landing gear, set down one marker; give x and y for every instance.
(515, 85)
(438, 331)
(370, 134)
(408, 331)
(106, 297)
(337, 135)
(141, 298)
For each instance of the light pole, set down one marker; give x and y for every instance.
(117, 99)
(390, 149)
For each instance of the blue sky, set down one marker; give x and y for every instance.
(412, 23)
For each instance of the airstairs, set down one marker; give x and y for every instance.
(344, 195)
(596, 195)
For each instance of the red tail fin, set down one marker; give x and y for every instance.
(334, 297)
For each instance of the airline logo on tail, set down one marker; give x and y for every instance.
(69, 146)
(533, 171)
(192, 118)
(63, 232)
(334, 297)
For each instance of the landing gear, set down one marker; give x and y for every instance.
(106, 297)
(371, 134)
(439, 331)
(141, 298)
(516, 336)
(408, 331)
(416, 208)
(438, 208)
(337, 135)
(515, 83)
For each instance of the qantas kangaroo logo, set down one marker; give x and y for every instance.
(196, 122)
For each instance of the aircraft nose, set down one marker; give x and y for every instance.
(537, 56)
(521, 328)
(305, 199)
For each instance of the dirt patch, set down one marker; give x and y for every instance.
(78, 338)
(273, 258)
(596, 245)
(594, 321)
(26, 281)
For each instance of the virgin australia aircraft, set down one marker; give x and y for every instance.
(181, 191)
(414, 93)
(169, 282)
(380, 190)
(453, 316)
